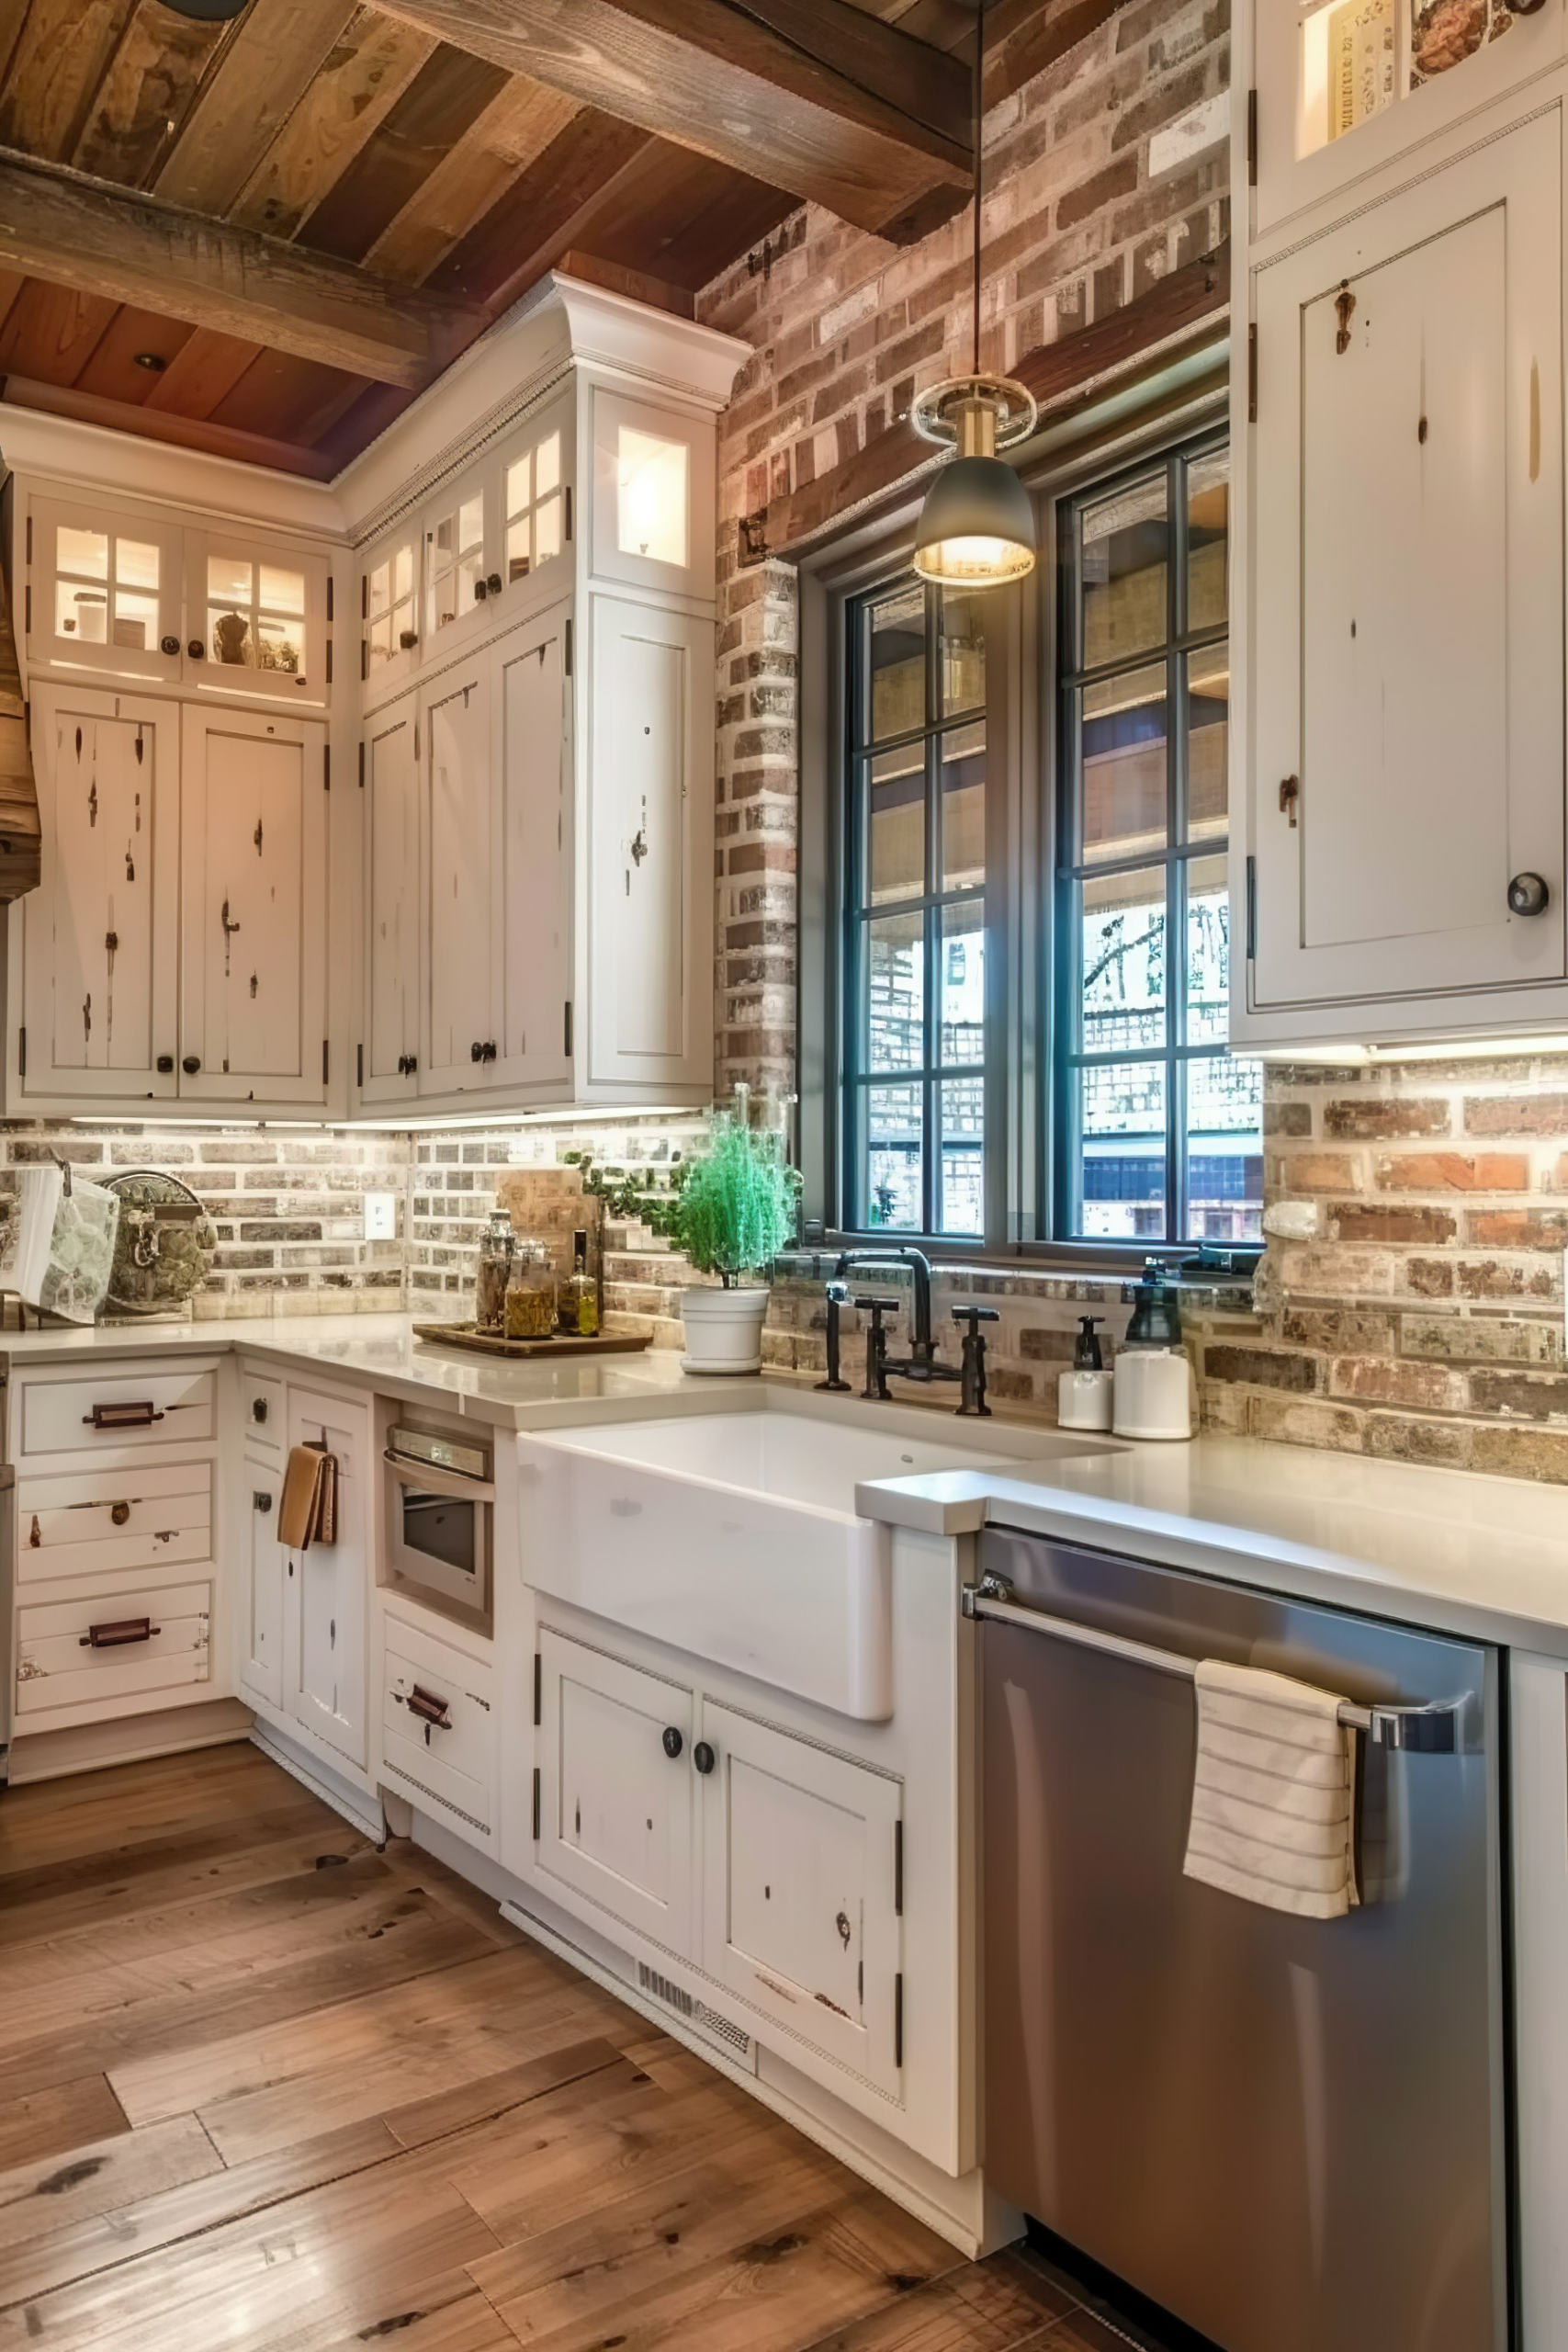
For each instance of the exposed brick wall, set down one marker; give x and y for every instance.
(1103, 173)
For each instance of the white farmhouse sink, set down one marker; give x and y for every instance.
(733, 1535)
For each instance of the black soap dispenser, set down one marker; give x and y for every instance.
(1084, 1394)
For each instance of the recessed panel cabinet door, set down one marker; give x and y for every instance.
(325, 1624)
(617, 1787)
(254, 965)
(459, 854)
(1408, 680)
(391, 910)
(100, 931)
(533, 720)
(270, 1570)
(800, 1889)
(650, 852)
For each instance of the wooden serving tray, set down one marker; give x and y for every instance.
(565, 1343)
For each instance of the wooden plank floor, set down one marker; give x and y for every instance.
(264, 2088)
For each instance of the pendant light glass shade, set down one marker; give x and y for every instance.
(976, 527)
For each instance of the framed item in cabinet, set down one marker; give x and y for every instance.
(103, 590)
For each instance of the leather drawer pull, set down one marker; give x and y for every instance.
(122, 1417)
(119, 1636)
(428, 1708)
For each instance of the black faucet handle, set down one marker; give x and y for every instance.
(877, 1345)
(876, 1307)
(837, 1295)
(975, 1315)
(972, 1372)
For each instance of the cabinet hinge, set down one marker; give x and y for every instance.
(329, 588)
(1251, 908)
(21, 1053)
(897, 1869)
(538, 1802)
(326, 1060)
(29, 538)
(361, 767)
(326, 767)
(899, 2018)
(568, 646)
(416, 740)
(363, 660)
(359, 1064)
(27, 605)
(329, 660)
(569, 513)
(538, 1687)
(1252, 375)
(568, 1027)
(1252, 139)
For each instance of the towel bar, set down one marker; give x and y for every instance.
(1435, 1729)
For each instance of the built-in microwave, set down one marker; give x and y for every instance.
(440, 1515)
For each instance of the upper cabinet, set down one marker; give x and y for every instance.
(1345, 88)
(653, 496)
(103, 592)
(258, 619)
(388, 612)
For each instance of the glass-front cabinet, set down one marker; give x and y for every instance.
(389, 612)
(653, 494)
(104, 591)
(1344, 86)
(256, 618)
(457, 567)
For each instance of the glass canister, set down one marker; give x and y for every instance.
(531, 1293)
(579, 1295)
(497, 1248)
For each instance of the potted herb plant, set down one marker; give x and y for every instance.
(734, 1211)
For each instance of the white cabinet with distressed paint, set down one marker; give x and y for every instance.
(532, 925)
(103, 589)
(458, 813)
(1400, 757)
(326, 1589)
(264, 1568)
(254, 1023)
(99, 936)
(257, 619)
(390, 771)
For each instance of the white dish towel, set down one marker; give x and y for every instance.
(1273, 1793)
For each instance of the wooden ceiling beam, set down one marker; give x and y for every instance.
(812, 95)
(97, 239)
(157, 425)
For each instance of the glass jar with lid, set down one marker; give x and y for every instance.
(497, 1248)
(531, 1293)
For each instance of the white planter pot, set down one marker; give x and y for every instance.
(724, 1329)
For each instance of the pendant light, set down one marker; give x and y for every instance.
(976, 527)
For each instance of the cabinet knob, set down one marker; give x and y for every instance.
(703, 1757)
(482, 590)
(196, 650)
(495, 583)
(120, 1513)
(1529, 894)
(168, 645)
(476, 1051)
(165, 1064)
(258, 1408)
(261, 1502)
(673, 1743)
(191, 1064)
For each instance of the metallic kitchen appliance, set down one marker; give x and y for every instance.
(1289, 2132)
(440, 1519)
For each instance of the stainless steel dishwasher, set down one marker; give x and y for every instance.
(1291, 2133)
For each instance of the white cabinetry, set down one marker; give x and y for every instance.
(103, 590)
(390, 1067)
(327, 1587)
(459, 880)
(533, 922)
(267, 1565)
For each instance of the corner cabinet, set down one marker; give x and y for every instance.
(1401, 858)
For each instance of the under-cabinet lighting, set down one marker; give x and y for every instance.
(1427, 1049)
(496, 1123)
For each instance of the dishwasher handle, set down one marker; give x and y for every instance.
(1437, 1728)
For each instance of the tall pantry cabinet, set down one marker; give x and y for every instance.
(537, 659)
(1399, 861)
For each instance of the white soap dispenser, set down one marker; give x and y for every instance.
(1083, 1395)
(1155, 1388)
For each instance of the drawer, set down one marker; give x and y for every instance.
(150, 1515)
(58, 1665)
(261, 1409)
(452, 1759)
(128, 1407)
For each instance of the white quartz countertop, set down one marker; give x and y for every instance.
(1483, 1558)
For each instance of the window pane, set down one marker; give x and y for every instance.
(651, 474)
(1224, 1149)
(963, 808)
(546, 529)
(379, 588)
(1208, 741)
(1124, 558)
(896, 842)
(519, 483)
(402, 572)
(895, 992)
(228, 581)
(1122, 737)
(281, 591)
(471, 522)
(229, 639)
(1207, 525)
(135, 621)
(1208, 952)
(893, 1156)
(963, 652)
(280, 645)
(897, 664)
(81, 613)
(960, 1205)
(547, 465)
(1122, 1151)
(519, 548)
(1121, 966)
(136, 563)
(962, 1013)
(87, 553)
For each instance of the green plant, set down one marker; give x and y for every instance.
(735, 1206)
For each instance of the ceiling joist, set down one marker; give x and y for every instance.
(99, 239)
(812, 95)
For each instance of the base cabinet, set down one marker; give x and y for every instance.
(267, 1567)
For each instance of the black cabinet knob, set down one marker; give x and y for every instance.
(168, 645)
(196, 650)
(703, 1757)
(191, 1064)
(673, 1743)
(1528, 894)
(261, 1502)
(258, 1408)
(482, 590)
(495, 583)
(476, 1051)
(165, 1064)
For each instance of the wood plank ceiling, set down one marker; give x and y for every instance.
(388, 191)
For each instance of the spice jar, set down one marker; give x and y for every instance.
(497, 1247)
(579, 1295)
(530, 1294)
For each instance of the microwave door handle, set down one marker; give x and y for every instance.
(431, 1479)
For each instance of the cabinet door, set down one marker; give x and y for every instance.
(326, 1618)
(268, 1570)
(1407, 591)
(391, 905)
(257, 619)
(650, 852)
(459, 854)
(616, 1807)
(458, 562)
(100, 933)
(253, 906)
(103, 590)
(536, 519)
(653, 496)
(800, 1889)
(389, 615)
(533, 920)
